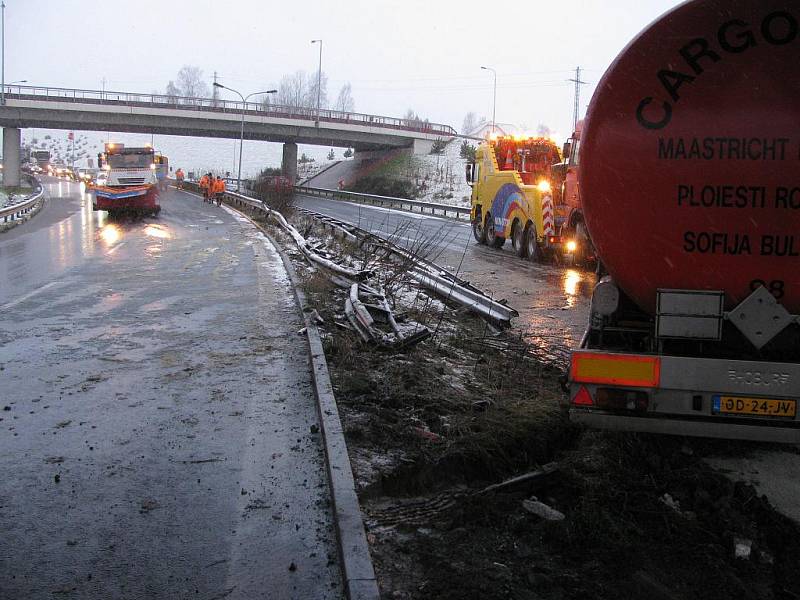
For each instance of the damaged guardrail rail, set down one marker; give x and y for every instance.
(387, 201)
(429, 275)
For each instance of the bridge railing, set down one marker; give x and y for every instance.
(260, 109)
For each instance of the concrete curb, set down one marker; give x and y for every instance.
(358, 573)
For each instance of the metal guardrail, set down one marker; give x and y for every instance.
(431, 276)
(426, 273)
(107, 97)
(15, 211)
(387, 201)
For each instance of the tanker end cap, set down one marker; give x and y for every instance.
(605, 298)
(694, 190)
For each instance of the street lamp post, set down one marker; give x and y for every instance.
(3, 66)
(494, 101)
(319, 76)
(241, 137)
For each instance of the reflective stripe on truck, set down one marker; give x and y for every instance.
(686, 395)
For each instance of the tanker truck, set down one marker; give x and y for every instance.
(690, 185)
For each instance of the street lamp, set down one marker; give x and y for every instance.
(319, 76)
(241, 138)
(3, 65)
(494, 102)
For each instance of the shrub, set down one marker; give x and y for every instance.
(467, 151)
(383, 185)
(276, 192)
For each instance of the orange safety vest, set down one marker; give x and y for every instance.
(204, 181)
(179, 174)
(219, 186)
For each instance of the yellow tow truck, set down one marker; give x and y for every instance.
(516, 195)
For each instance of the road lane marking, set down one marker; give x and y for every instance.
(30, 295)
(115, 248)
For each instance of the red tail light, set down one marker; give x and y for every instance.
(622, 399)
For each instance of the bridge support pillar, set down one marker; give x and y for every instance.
(11, 145)
(289, 162)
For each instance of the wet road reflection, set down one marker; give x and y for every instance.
(111, 234)
(156, 437)
(66, 233)
(158, 231)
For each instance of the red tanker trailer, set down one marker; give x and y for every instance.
(690, 181)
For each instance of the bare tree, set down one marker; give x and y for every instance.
(311, 97)
(293, 89)
(471, 123)
(412, 119)
(172, 91)
(190, 82)
(344, 102)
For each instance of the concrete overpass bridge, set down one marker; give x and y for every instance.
(94, 110)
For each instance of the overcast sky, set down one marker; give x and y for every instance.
(423, 55)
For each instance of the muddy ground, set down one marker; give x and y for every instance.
(429, 428)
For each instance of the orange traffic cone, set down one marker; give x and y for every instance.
(509, 160)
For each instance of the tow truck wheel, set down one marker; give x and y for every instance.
(478, 230)
(494, 240)
(532, 245)
(518, 234)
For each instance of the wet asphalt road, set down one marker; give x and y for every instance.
(155, 436)
(553, 301)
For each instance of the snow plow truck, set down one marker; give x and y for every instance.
(132, 186)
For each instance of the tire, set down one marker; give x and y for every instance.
(518, 239)
(584, 244)
(532, 244)
(494, 240)
(478, 230)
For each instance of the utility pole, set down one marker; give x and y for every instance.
(319, 76)
(215, 91)
(578, 83)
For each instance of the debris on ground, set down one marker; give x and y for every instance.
(540, 509)
(362, 317)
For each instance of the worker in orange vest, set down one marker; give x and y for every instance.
(219, 189)
(205, 184)
(179, 178)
